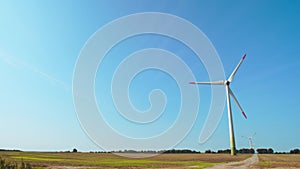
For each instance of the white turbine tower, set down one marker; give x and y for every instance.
(250, 138)
(229, 93)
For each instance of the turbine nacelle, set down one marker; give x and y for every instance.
(226, 83)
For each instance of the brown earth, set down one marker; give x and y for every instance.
(212, 158)
(279, 161)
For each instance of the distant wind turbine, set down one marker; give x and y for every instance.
(250, 138)
(229, 93)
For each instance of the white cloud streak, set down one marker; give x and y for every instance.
(20, 64)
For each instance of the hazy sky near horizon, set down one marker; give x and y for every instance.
(40, 42)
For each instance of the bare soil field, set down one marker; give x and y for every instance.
(211, 158)
(279, 161)
(109, 160)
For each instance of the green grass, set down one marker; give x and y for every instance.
(266, 164)
(40, 160)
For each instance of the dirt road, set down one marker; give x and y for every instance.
(248, 163)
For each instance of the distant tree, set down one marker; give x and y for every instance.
(207, 151)
(246, 151)
(184, 151)
(227, 151)
(262, 151)
(10, 150)
(295, 151)
(74, 150)
(282, 152)
(210, 152)
(270, 151)
(265, 151)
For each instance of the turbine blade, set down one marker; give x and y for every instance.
(238, 104)
(209, 83)
(236, 69)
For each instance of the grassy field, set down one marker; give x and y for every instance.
(279, 160)
(108, 160)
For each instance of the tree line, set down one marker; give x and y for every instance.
(188, 151)
(251, 151)
(172, 151)
(226, 151)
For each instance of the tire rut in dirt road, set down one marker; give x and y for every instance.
(248, 163)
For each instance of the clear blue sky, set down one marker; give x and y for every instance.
(40, 43)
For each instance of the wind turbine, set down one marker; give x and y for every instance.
(229, 93)
(250, 138)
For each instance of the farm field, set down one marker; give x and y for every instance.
(62, 160)
(279, 160)
(109, 160)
